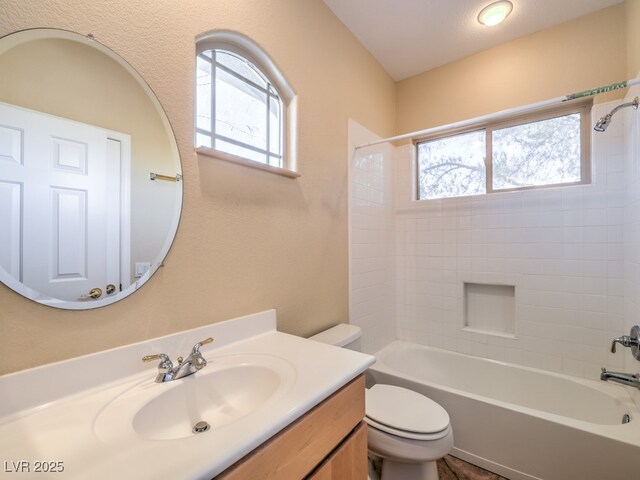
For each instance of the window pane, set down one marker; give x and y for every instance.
(538, 153)
(452, 166)
(240, 151)
(203, 94)
(240, 66)
(275, 161)
(203, 140)
(241, 110)
(274, 126)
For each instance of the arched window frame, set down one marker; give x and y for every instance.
(243, 46)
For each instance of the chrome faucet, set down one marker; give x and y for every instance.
(623, 378)
(167, 372)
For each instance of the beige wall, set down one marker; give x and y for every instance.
(581, 54)
(247, 240)
(633, 37)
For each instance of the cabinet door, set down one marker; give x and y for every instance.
(348, 461)
(306, 443)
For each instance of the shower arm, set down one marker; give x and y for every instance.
(633, 103)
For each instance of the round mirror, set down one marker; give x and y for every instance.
(90, 175)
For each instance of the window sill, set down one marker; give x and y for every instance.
(227, 157)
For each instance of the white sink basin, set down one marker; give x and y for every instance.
(227, 390)
(217, 398)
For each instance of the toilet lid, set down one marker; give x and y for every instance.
(404, 409)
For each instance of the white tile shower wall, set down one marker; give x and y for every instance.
(371, 237)
(562, 249)
(631, 232)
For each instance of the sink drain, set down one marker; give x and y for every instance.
(201, 427)
(626, 418)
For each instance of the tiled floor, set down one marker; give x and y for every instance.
(452, 468)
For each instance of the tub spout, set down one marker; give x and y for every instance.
(632, 380)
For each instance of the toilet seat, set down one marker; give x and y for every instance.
(405, 434)
(405, 413)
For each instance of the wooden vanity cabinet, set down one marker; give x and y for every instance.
(328, 443)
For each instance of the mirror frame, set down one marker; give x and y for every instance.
(19, 37)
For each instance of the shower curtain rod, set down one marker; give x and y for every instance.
(504, 113)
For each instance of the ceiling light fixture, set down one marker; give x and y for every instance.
(495, 13)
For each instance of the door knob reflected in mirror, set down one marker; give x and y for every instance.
(94, 294)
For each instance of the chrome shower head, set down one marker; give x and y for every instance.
(602, 124)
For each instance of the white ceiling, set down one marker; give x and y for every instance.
(411, 36)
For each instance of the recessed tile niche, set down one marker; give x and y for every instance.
(490, 309)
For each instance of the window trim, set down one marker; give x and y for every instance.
(246, 48)
(581, 106)
(238, 160)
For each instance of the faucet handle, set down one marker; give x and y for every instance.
(197, 360)
(625, 341)
(632, 341)
(165, 362)
(196, 347)
(617, 340)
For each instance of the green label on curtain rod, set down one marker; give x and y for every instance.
(596, 91)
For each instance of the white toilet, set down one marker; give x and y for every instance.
(407, 430)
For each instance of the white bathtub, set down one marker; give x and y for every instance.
(521, 422)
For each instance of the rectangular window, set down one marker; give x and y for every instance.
(549, 148)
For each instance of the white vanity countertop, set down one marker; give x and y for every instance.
(78, 413)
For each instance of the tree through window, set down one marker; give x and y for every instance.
(543, 150)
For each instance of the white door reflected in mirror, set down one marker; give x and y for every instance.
(65, 222)
(80, 135)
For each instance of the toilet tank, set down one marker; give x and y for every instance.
(342, 335)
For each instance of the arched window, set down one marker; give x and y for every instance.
(244, 107)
